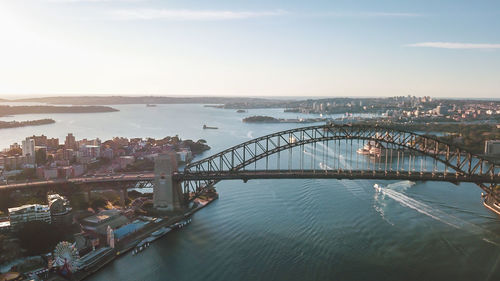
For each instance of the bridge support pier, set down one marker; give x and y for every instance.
(167, 193)
(123, 197)
(89, 194)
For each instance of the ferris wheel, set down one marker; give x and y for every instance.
(66, 256)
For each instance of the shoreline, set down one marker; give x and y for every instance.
(116, 253)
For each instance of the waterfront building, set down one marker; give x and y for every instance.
(26, 213)
(126, 230)
(86, 242)
(99, 223)
(60, 209)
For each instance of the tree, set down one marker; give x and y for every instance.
(98, 203)
(38, 237)
(15, 151)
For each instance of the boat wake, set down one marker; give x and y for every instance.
(433, 213)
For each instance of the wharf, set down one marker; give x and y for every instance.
(109, 256)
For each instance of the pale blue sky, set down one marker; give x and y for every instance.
(258, 48)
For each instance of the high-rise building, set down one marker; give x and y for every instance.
(53, 143)
(70, 142)
(40, 140)
(28, 147)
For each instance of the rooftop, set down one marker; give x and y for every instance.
(35, 207)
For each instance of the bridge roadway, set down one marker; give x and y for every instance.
(335, 174)
(115, 178)
(259, 174)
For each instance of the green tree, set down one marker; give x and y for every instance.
(38, 237)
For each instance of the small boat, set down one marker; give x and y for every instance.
(208, 127)
(490, 203)
(377, 187)
(181, 224)
(160, 232)
(150, 105)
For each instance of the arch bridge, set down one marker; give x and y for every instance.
(342, 152)
(323, 151)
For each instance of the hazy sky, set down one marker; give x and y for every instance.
(259, 47)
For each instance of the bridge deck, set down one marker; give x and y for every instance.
(334, 174)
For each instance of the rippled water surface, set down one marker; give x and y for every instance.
(296, 229)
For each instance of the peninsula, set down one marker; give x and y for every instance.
(16, 124)
(269, 119)
(6, 110)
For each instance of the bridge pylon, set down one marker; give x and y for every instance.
(167, 193)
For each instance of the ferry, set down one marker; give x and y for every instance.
(208, 127)
(377, 187)
(490, 203)
(367, 148)
(160, 232)
(142, 246)
(181, 224)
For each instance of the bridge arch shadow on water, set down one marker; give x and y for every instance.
(343, 152)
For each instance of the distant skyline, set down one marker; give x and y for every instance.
(260, 48)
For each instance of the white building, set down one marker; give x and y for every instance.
(26, 213)
(28, 147)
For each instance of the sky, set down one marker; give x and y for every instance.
(447, 48)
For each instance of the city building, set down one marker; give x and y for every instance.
(492, 147)
(92, 151)
(60, 209)
(27, 213)
(70, 142)
(46, 173)
(28, 147)
(126, 160)
(4, 226)
(12, 162)
(107, 153)
(99, 223)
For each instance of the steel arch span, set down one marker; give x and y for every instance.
(450, 162)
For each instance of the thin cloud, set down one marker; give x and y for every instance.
(381, 15)
(190, 15)
(91, 1)
(365, 15)
(453, 45)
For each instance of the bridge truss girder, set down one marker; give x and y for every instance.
(239, 157)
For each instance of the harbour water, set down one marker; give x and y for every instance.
(295, 229)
